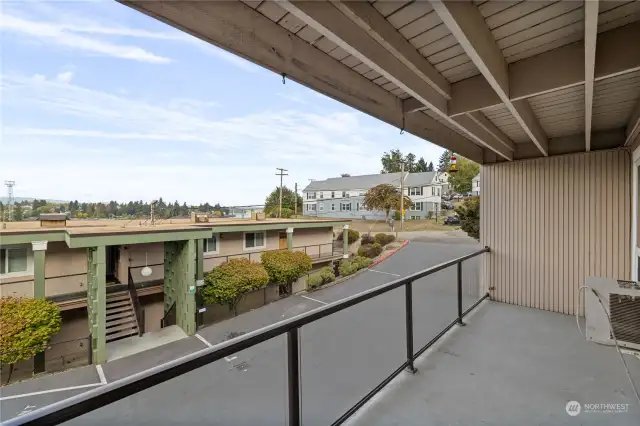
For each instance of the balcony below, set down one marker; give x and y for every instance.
(510, 366)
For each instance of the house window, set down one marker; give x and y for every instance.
(362, 194)
(416, 207)
(415, 217)
(255, 240)
(312, 207)
(321, 194)
(321, 206)
(345, 206)
(433, 190)
(311, 195)
(333, 194)
(357, 206)
(415, 190)
(14, 260)
(211, 244)
(333, 206)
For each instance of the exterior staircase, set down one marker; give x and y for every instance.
(121, 317)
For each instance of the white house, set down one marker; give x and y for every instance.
(475, 185)
(343, 197)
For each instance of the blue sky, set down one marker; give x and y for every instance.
(100, 102)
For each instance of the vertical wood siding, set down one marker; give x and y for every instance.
(552, 222)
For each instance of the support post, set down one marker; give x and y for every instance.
(199, 281)
(96, 302)
(460, 294)
(180, 282)
(293, 375)
(39, 250)
(345, 242)
(289, 238)
(408, 299)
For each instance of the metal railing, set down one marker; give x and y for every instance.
(315, 251)
(81, 404)
(139, 310)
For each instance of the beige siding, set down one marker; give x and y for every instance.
(552, 222)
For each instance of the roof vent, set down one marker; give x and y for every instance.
(53, 220)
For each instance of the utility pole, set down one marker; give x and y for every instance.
(10, 201)
(402, 196)
(281, 174)
(295, 200)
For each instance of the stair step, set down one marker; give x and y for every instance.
(118, 321)
(126, 333)
(122, 327)
(117, 296)
(118, 303)
(123, 314)
(128, 307)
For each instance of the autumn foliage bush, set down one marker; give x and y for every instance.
(26, 326)
(228, 283)
(370, 250)
(384, 239)
(285, 267)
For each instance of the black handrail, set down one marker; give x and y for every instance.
(133, 293)
(163, 321)
(78, 405)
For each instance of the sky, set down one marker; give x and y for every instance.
(100, 102)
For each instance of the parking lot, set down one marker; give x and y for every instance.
(342, 356)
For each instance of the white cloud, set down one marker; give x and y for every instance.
(65, 36)
(65, 77)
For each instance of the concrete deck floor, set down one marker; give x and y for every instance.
(136, 344)
(509, 366)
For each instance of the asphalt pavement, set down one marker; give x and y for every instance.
(343, 356)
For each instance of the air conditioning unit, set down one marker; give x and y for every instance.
(621, 299)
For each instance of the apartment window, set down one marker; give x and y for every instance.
(415, 190)
(416, 207)
(321, 206)
(311, 195)
(333, 194)
(211, 244)
(345, 206)
(14, 260)
(333, 207)
(254, 240)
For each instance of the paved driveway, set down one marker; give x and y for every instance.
(342, 356)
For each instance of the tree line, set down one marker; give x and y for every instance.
(112, 209)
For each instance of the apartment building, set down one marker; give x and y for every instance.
(343, 197)
(114, 279)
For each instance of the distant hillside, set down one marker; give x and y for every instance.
(20, 199)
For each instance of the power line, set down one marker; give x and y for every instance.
(282, 172)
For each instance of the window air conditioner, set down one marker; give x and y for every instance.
(621, 299)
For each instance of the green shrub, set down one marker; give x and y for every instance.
(397, 215)
(351, 266)
(352, 236)
(384, 239)
(228, 283)
(285, 267)
(26, 326)
(367, 239)
(469, 213)
(370, 250)
(325, 276)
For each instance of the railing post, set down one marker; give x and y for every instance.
(460, 294)
(408, 293)
(293, 373)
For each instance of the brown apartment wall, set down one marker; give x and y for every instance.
(552, 222)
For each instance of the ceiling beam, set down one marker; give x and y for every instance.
(633, 126)
(553, 70)
(590, 37)
(411, 105)
(329, 21)
(237, 28)
(485, 123)
(364, 15)
(467, 25)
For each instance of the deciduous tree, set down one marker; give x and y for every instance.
(385, 197)
(469, 213)
(271, 203)
(230, 282)
(461, 180)
(285, 267)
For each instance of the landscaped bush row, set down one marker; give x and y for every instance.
(384, 239)
(353, 236)
(325, 276)
(351, 266)
(370, 250)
